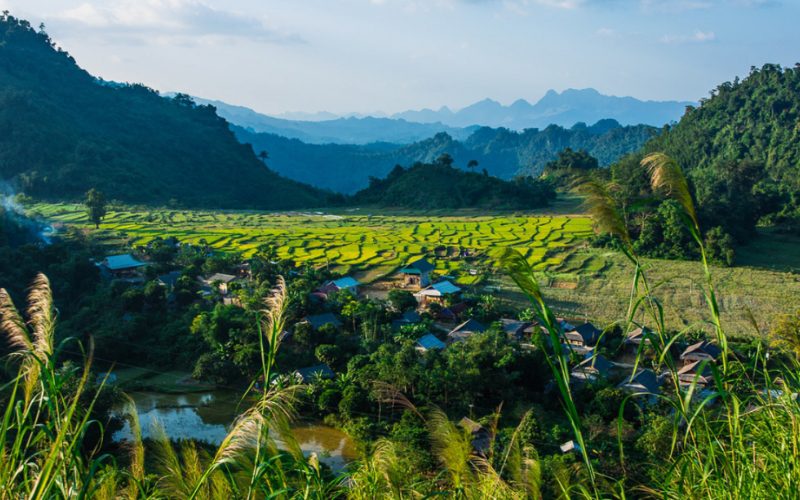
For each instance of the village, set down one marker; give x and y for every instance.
(437, 314)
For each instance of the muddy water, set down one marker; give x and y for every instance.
(205, 416)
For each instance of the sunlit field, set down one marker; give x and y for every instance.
(581, 282)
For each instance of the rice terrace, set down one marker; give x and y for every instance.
(373, 244)
(370, 246)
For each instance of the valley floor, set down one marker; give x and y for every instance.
(580, 282)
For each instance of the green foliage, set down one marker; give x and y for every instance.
(402, 300)
(66, 131)
(439, 185)
(96, 206)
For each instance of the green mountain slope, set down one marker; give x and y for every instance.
(748, 130)
(503, 153)
(440, 185)
(62, 131)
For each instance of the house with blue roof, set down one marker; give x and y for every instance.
(347, 283)
(121, 265)
(417, 273)
(437, 292)
(429, 342)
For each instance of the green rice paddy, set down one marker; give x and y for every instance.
(353, 242)
(580, 282)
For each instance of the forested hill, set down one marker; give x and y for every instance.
(439, 185)
(62, 131)
(742, 147)
(503, 153)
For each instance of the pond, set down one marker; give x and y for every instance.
(205, 416)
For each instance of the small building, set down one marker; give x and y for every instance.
(701, 351)
(585, 335)
(169, 280)
(592, 368)
(122, 265)
(464, 331)
(643, 382)
(638, 336)
(312, 373)
(453, 313)
(417, 273)
(480, 437)
(429, 342)
(693, 372)
(317, 321)
(517, 329)
(570, 447)
(347, 283)
(437, 292)
(220, 281)
(410, 317)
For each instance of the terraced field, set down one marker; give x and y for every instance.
(368, 245)
(580, 282)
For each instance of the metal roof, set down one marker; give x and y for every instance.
(429, 342)
(445, 287)
(124, 261)
(345, 283)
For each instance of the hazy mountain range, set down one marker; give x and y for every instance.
(565, 109)
(504, 153)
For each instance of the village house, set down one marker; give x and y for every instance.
(169, 280)
(592, 368)
(643, 382)
(346, 283)
(636, 337)
(583, 336)
(693, 371)
(464, 331)
(453, 313)
(219, 281)
(317, 321)
(429, 342)
(121, 266)
(312, 373)
(417, 273)
(701, 351)
(517, 329)
(437, 292)
(410, 317)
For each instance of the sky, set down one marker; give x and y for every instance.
(366, 56)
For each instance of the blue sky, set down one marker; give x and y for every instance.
(391, 55)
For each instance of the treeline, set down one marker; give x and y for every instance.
(741, 153)
(62, 131)
(440, 185)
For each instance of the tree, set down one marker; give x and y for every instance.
(445, 159)
(96, 206)
(472, 165)
(263, 156)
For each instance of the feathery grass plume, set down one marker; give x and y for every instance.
(172, 480)
(380, 473)
(667, 177)
(452, 447)
(41, 315)
(136, 469)
(12, 324)
(600, 204)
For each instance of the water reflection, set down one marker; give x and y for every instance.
(204, 416)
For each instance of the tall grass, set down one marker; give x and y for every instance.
(46, 418)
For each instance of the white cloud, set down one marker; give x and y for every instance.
(180, 21)
(696, 37)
